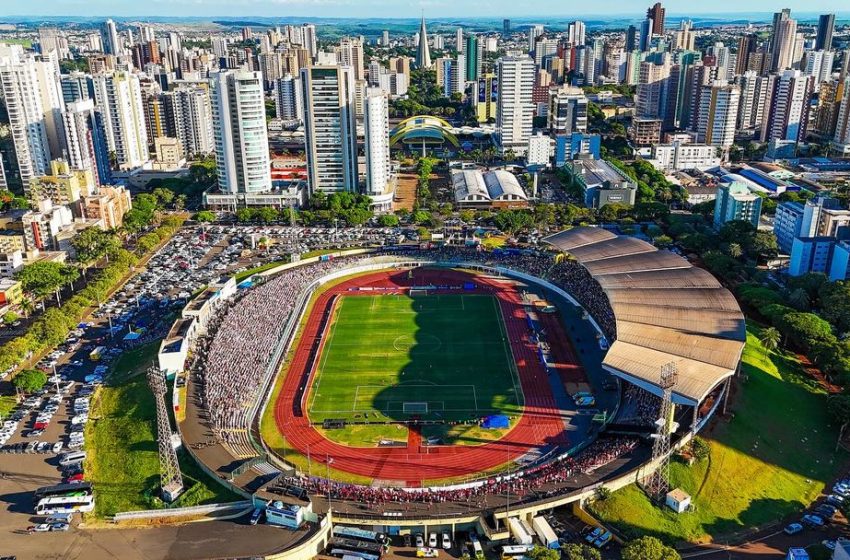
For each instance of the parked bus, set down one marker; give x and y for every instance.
(340, 547)
(360, 535)
(80, 489)
(515, 552)
(65, 504)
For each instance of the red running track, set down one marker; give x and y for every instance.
(541, 423)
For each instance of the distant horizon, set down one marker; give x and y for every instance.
(376, 10)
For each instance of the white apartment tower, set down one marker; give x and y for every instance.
(329, 128)
(288, 103)
(26, 114)
(515, 109)
(577, 33)
(376, 125)
(241, 139)
(118, 100)
(193, 120)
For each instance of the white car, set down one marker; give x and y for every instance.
(432, 540)
(40, 528)
(420, 540)
(80, 419)
(447, 542)
(57, 447)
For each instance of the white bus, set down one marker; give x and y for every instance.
(65, 504)
(515, 552)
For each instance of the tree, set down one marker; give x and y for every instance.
(700, 448)
(30, 380)
(388, 220)
(205, 216)
(92, 244)
(543, 553)
(770, 338)
(799, 299)
(734, 250)
(764, 245)
(573, 551)
(44, 278)
(835, 304)
(10, 317)
(648, 548)
(838, 408)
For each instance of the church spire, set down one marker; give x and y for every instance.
(423, 54)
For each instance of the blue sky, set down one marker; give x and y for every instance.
(395, 8)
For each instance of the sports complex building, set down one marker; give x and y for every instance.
(450, 386)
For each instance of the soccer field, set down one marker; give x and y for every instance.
(433, 356)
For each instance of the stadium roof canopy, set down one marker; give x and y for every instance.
(665, 310)
(423, 128)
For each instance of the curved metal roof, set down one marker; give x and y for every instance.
(665, 310)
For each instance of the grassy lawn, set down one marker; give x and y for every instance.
(369, 435)
(465, 434)
(122, 462)
(262, 268)
(7, 404)
(769, 461)
(386, 350)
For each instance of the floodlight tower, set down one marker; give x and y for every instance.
(171, 481)
(657, 484)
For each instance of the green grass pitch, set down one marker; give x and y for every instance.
(381, 351)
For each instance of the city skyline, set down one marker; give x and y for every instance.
(377, 9)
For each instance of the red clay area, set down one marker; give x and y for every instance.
(541, 424)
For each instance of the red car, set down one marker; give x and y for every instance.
(79, 477)
(40, 426)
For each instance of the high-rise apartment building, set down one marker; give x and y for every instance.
(567, 111)
(118, 100)
(515, 112)
(656, 13)
(289, 105)
(376, 126)
(534, 32)
(841, 140)
(112, 43)
(241, 139)
(34, 104)
(86, 141)
(718, 115)
(782, 41)
(577, 33)
(735, 202)
(787, 116)
(473, 70)
(192, 117)
(350, 53)
(329, 128)
(826, 27)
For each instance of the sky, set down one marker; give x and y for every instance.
(397, 8)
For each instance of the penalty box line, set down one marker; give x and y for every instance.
(431, 387)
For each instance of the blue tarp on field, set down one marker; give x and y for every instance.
(496, 422)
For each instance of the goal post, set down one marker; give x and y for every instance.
(414, 292)
(415, 407)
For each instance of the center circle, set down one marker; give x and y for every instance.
(426, 342)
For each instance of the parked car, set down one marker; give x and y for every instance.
(420, 541)
(813, 520)
(447, 542)
(432, 540)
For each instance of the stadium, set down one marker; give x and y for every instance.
(419, 382)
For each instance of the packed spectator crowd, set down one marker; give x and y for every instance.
(639, 407)
(232, 364)
(527, 485)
